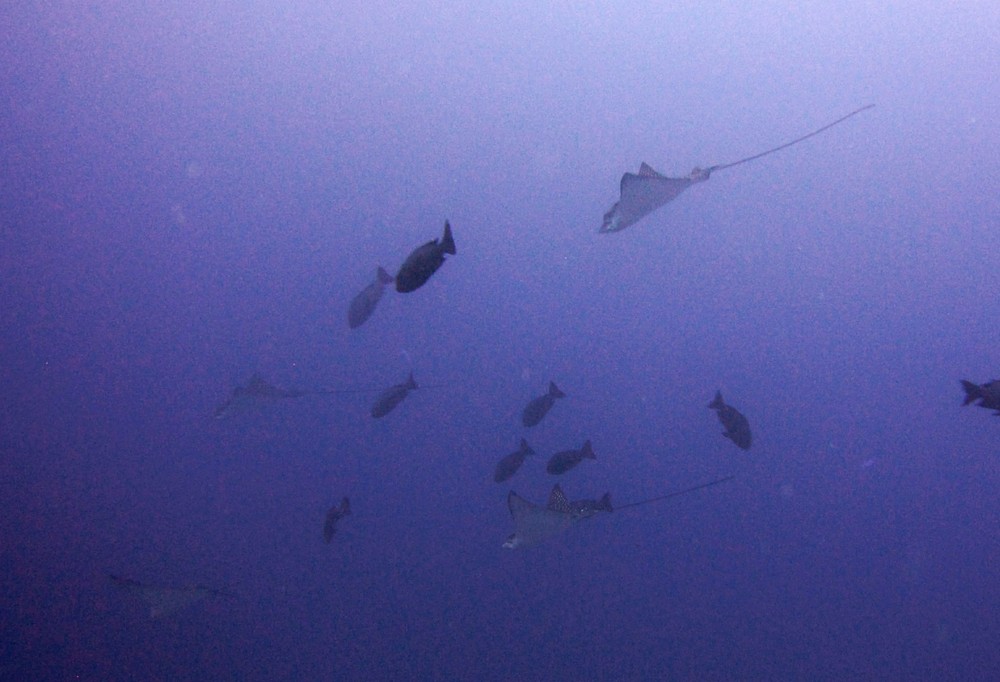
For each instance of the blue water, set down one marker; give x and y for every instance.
(192, 193)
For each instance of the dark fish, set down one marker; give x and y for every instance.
(643, 193)
(987, 394)
(533, 523)
(509, 465)
(391, 397)
(736, 425)
(363, 305)
(256, 391)
(163, 600)
(536, 410)
(424, 262)
(561, 462)
(335, 514)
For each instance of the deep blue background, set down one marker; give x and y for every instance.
(193, 193)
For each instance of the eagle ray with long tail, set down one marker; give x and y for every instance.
(641, 194)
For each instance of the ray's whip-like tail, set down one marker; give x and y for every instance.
(674, 494)
(789, 144)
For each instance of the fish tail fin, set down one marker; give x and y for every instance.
(604, 504)
(554, 390)
(717, 402)
(525, 448)
(447, 241)
(411, 384)
(383, 276)
(588, 451)
(972, 392)
(345, 507)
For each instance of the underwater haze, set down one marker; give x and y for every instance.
(193, 194)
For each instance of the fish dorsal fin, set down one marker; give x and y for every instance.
(646, 171)
(447, 240)
(558, 501)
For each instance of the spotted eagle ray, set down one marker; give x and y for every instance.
(163, 600)
(534, 524)
(257, 391)
(254, 392)
(643, 193)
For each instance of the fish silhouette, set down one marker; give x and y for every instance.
(561, 462)
(536, 410)
(987, 395)
(364, 303)
(391, 397)
(424, 261)
(737, 428)
(333, 515)
(509, 465)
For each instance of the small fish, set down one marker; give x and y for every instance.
(509, 465)
(391, 397)
(561, 462)
(736, 425)
(424, 262)
(163, 600)
(534, 524)
(332, 516)
(987, 394)
(536, 410)
(363, 305)
(255, 392)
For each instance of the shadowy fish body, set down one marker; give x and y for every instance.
(561, 462)
(391, 397)
(987, 394)
(533, 523)
(332, 516)
(737, 428)
(509, 465)
(536, 410)
(363, 305)
(424, 262)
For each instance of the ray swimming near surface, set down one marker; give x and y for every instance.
(642, 193)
